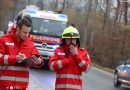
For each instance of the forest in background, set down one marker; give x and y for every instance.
(104, 25)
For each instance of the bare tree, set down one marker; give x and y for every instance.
(87, 13)
(126, 12)
(63, 6)
(117, 11)
(56, 6)
(107, 16)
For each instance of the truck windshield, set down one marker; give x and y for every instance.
(41, 26)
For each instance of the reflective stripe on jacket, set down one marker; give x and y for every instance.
(69, 68)
(11, 73)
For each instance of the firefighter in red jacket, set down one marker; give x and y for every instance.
(69, 61)
(17, 53)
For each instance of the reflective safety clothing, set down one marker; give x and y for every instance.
(13, 74)
(69, 68)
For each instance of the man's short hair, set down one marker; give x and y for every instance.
(24, 21)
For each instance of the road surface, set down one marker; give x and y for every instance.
(95, 79)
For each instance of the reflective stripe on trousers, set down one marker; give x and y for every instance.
(14, 68)
(14, 78)
(68, 86)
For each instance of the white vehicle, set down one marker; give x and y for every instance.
(46, 31)
(10, 24)
(1, 33)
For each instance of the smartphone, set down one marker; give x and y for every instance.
(37, 56)
(72, 44)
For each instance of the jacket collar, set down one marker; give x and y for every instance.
(12, 33)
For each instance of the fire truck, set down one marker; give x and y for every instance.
(47, 27)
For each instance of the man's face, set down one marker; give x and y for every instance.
(23, 32)
(68, 41)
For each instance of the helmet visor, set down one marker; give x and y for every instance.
(71, 35)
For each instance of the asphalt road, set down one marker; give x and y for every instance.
(98, 79)
(95, 79)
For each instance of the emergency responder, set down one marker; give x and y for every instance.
(17, 53)
(69, 61)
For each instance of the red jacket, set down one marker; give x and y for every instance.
(69, 68)
(11, 73)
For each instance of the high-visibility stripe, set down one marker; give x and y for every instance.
(68, 86)
(9, 44)
(68, 76)
(59, 64)
(61, 53)
(14, 68)
(1, 55)
(6, 59)
(88, 68)
(81, 63)
(51, 66)
(88, 56)
(14, 78)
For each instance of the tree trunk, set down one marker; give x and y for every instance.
(106, 17)
(126, 12)
(87, 13)
(63, 7)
